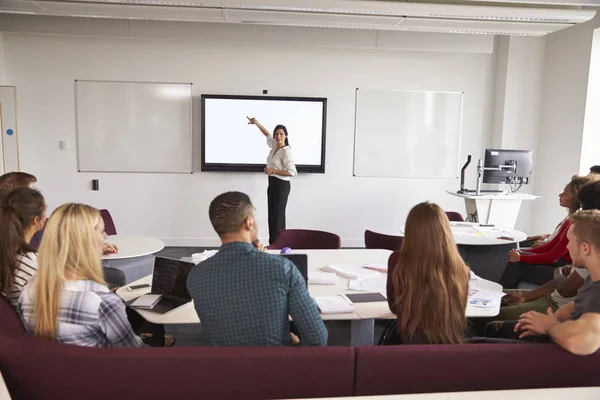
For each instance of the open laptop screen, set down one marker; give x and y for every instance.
(301, 262)
(170, 276)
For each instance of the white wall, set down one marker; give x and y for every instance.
(590, 146)
(562, 117)
(245, 60)
(519, 76)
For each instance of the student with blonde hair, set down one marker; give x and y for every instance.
(22, 214)
(428, 286)
(68, 300)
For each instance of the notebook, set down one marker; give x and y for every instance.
(146, 301)
(333, 305)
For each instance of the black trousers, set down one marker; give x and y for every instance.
(140, 325)
(277, 197)
(516, 272)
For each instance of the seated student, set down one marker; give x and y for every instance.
(595, 169)
(576, 325)
(13, 180)
(244, 296)
(22, 214)
(428, 287)
(537, 265)
(567, 280)
(68, 300)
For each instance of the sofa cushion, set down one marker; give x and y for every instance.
(457, 368)
(37, 369)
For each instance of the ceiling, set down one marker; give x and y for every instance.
(495, 17)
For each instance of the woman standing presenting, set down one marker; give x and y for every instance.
(280, 168)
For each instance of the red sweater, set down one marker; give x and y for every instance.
(552, 251)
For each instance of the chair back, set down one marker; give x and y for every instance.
(304, 239)
(11, 324)
(374, 240)
(109, 224)
(454, 216)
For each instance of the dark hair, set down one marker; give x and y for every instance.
(228, 211)
(13, 180)
(589, 196)
(284, 129)
(595, 169)
(16, 212)
(577, 182)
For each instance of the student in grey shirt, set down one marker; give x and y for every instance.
(576, 325)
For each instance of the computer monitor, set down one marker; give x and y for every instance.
(513, 167)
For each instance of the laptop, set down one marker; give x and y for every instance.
(301, 262)
(169, 280)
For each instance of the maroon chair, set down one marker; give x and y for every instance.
(109, 224)
(303, 239)
(454, 216)
(11, 325)
(374, 240)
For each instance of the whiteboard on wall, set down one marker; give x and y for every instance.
(407, 134)
(134, 126)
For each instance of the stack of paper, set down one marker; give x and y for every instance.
(146, 301)
(377, 267)
(482, 298)
(322, 278)
(350, 272)
(333, 305)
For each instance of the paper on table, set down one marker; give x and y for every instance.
(377, 267)
(333, 305)
(483, 298)
(368, 285)
(474, 277)
(350, 271)
(322, 278)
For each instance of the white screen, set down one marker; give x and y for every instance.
(229, 139)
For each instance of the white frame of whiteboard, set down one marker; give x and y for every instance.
(454, 174)
(191, 171)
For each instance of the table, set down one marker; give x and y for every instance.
(361, 321)
(494, 208)
(133, 246)
(486, 254)
(580, 393)
(482, 249)
(473, 234)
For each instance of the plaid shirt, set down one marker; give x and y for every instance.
(244, 297)
(89, 315)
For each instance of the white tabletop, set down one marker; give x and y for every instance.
(494, 196)
(473, 234)
(133, 246)
(316, 260)
(580, 393)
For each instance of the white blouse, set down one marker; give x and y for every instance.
(281, 159)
